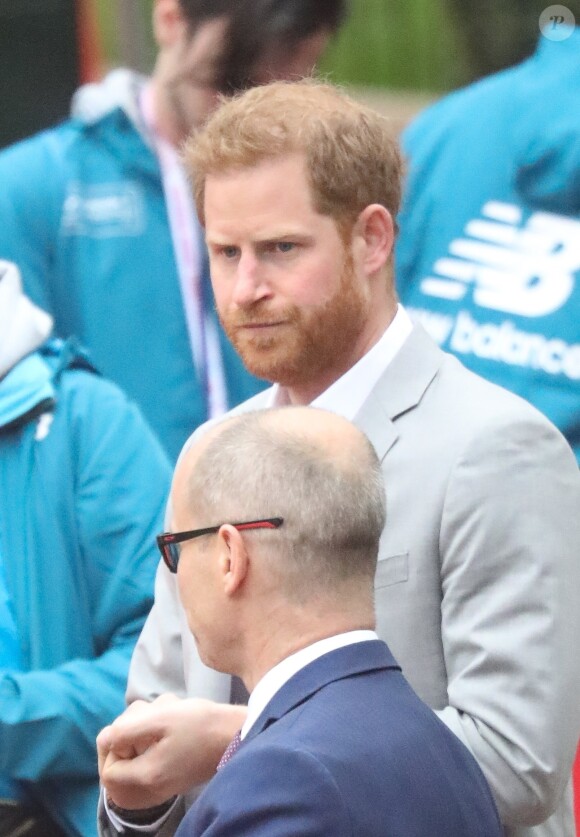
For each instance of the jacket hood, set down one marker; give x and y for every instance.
(23, 326)
(119, 89)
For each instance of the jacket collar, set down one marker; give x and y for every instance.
(400, 389)
(25, 392)
(336, 665)
(23, 326)
(118, 89)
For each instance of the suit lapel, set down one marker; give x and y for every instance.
(400, 388)
(336, 665)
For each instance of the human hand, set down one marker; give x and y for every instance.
(154, 751)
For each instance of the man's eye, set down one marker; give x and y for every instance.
(285, 246)
(230, 252)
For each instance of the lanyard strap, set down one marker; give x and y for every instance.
(189, 249)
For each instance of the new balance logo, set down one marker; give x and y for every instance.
(514, 267)
(501, 342)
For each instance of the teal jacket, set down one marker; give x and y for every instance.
(83, 214)
(83, 484)
(488, 257)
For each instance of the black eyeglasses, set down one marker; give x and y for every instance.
(167, 541)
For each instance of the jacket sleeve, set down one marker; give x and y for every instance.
(105, 828)
(119, 480)
(31, 203)
(157, 663)
(299, 797)
(510, 546)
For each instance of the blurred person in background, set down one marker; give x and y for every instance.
(98, 213)
(83, 483)
(488, 256)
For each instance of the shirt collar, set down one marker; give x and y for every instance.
(273, 680)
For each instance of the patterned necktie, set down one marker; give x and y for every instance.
(231, 749)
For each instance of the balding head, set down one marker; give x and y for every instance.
(313, 469)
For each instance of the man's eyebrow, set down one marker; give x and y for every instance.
(270, 237)
(284, 236)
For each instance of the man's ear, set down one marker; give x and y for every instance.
(233, 559)
(375, 229)
(168, 22)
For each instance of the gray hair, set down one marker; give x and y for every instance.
(332, 502)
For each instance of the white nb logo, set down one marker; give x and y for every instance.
(526, 270)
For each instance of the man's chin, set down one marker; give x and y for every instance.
(260, 361)
(278, 361)
(275, 373)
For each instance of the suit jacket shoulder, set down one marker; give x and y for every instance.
(313, 760)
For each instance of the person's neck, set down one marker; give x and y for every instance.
(158, 113)
(291, 635)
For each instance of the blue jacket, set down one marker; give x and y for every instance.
(82, 213)
(488, 257)
(347, 749)
(9, 660)
(83, 489)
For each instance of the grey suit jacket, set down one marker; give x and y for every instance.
(478, 580)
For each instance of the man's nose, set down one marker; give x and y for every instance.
(250, 282)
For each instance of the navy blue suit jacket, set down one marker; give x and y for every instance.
(347, 748)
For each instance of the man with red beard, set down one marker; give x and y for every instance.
(298, 188)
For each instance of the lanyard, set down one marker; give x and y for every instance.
(187, 238)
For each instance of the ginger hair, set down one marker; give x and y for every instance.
(352, 157)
